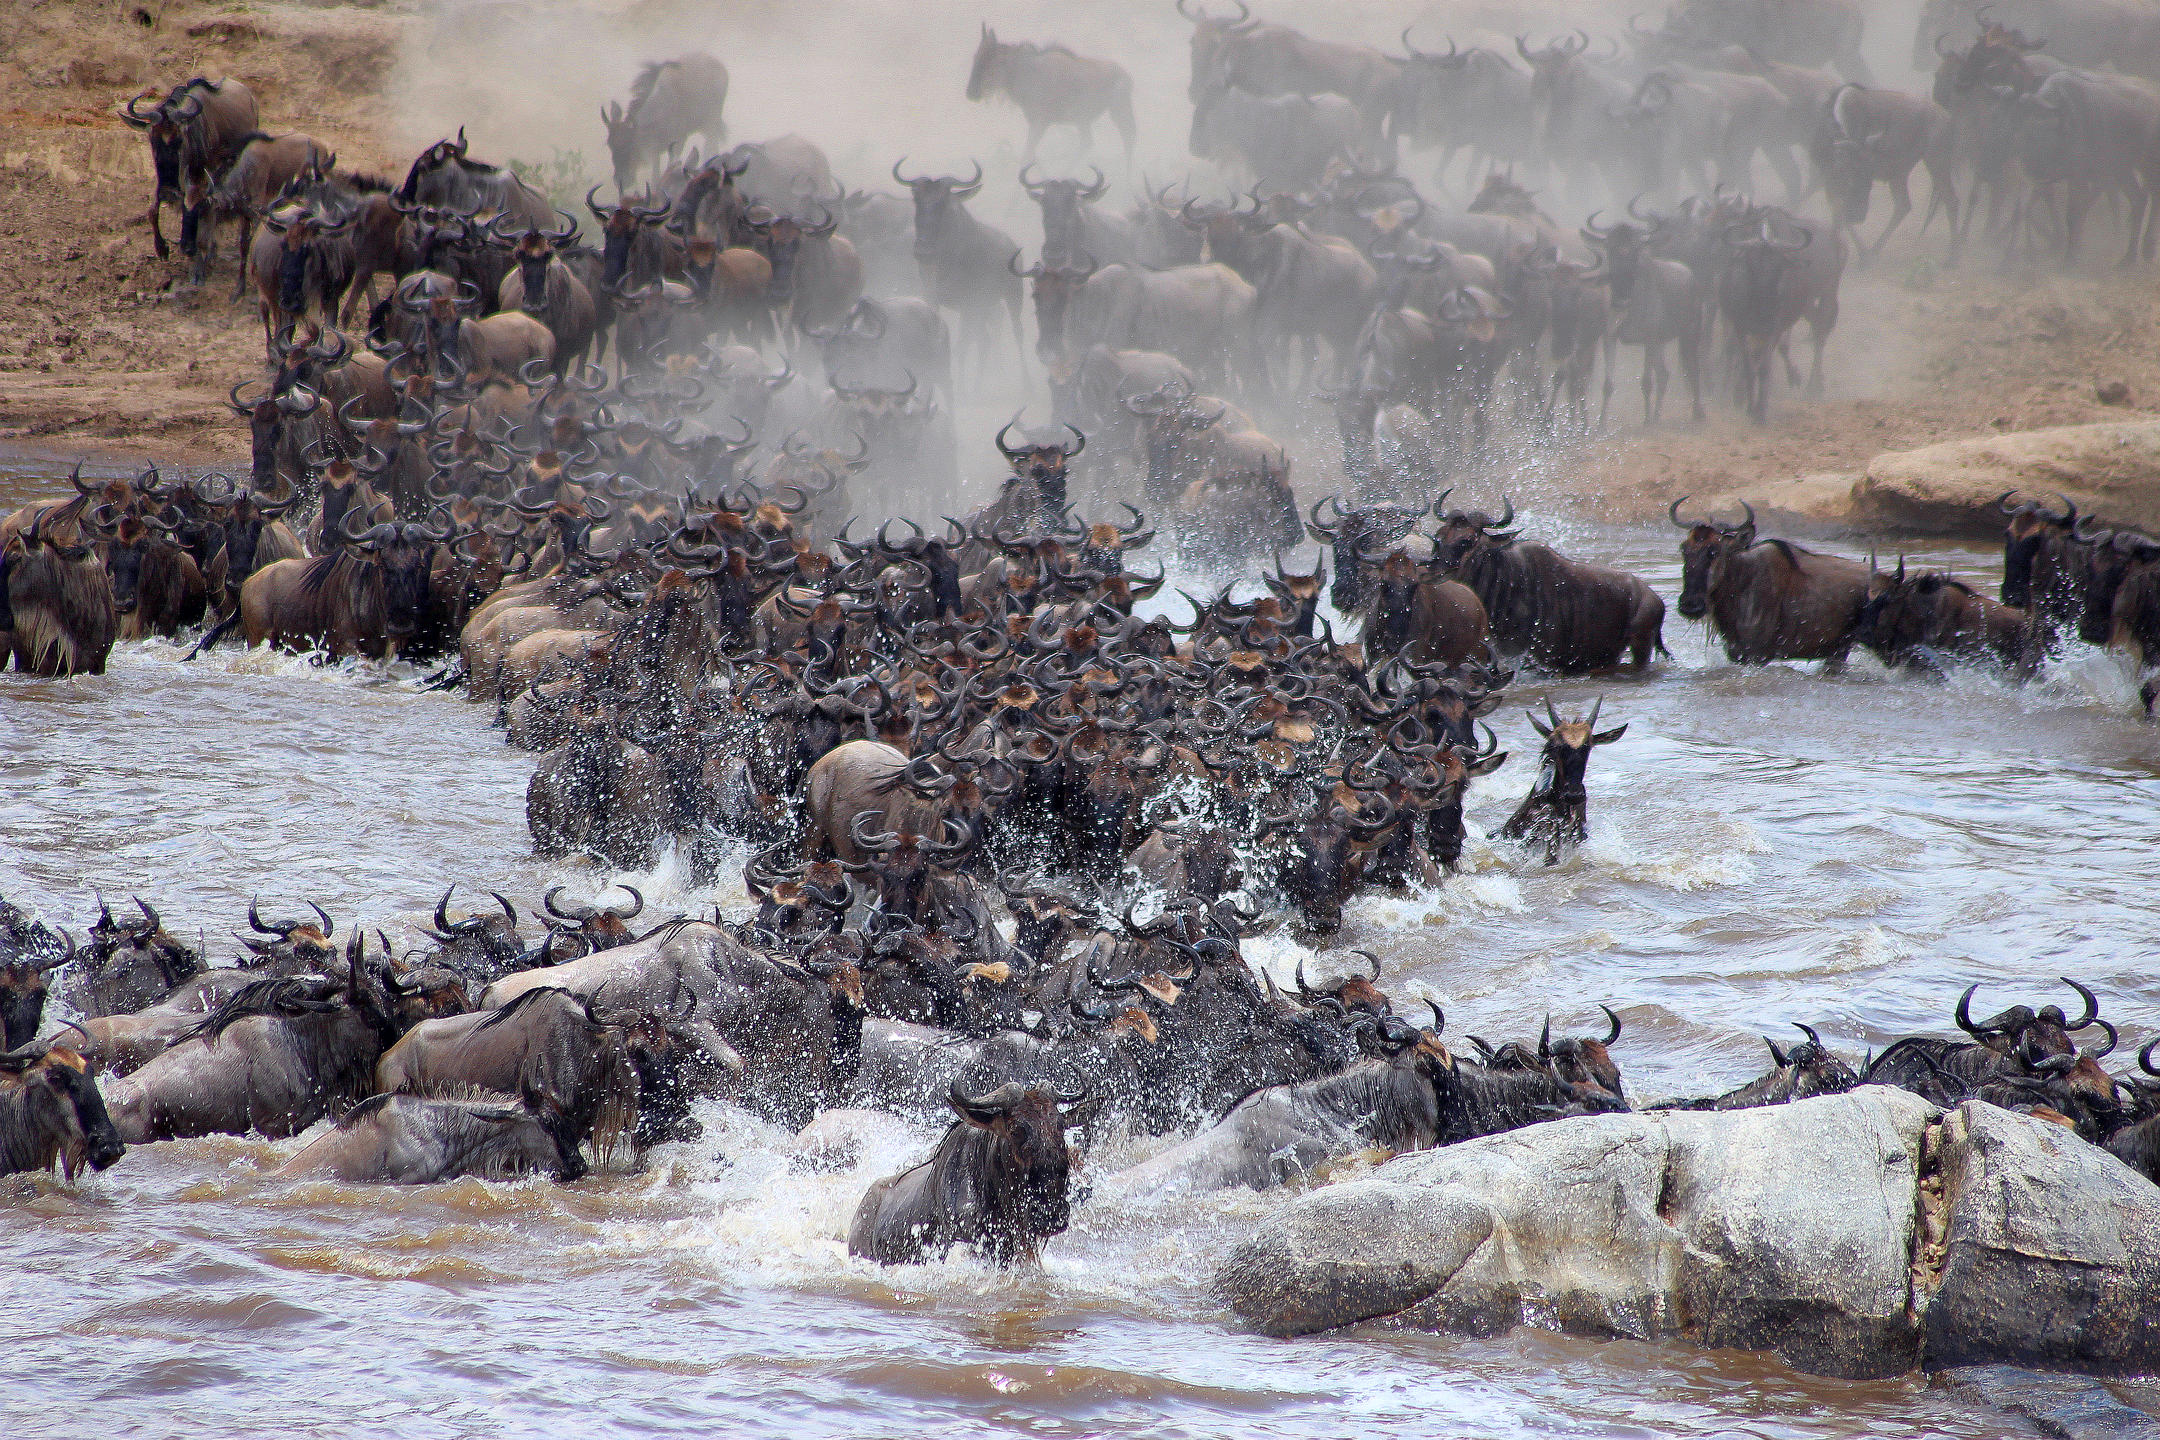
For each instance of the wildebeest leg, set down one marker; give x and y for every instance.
(1035, 129)
(157, 228)
(1612, 353)
(2075, 204)
(247, 245)
(1787, 170)
(1121, 116)
(1900, 207)
(1653, 360)
(1942, 195)
(1691, 368)
(2139, 204)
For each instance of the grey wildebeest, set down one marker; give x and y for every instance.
(670, 101)
(1284, 142)
(194, 133)
(1806, 1070)
(1868, 137)
(1565, 615)
(542, 286)
(998, 1181)
(1201, 314)
(1770, 283)
(51, 1113)
(274, 1058)
(1770, 600)
(418, 1140)
(1053, 86)
(1073, 230)
(964, 262)
(1556, 812)
(1266, 59)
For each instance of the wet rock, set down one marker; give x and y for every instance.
(1706, 1226)
(2052, 1250)
(2070, 1407)
(2110, 469)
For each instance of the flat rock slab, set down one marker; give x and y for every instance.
(2111, 470)
(1802, 1229)
(2069, 1407)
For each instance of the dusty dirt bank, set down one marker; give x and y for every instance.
(106, 350)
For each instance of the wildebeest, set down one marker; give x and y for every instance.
(1770, 600)
(998, 1181)
(964, 262)
(1565, 615)
(1771, 283)
(419, 1140)
(1657, 303)
(61, 603)
(1283, 142)
(1267, 59)
(23, 986)
(443, 175)
(51, 1113)
(194, 132)
(274, 1058)
(157, 587)
(670, 101)
(127, 964)
(1806, 1070)
(1201, 314)
(1556, 812)
(1870, 136)
(2044, 563)
(543, 287)
(1053, 86)
(368, 597)
(1933, 619)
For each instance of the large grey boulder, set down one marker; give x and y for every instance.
(2050, 1250)
(1786, 1229)
(1854, 1235)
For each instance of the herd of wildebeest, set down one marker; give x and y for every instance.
(967, 757)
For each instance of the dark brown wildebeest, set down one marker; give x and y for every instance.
(2045, 565)
(1772, 600)
(419, 1140)
(964, 262)
(23, 988)
(1564, 615)
(366, 598)
(998, 1181)
(51, 1113)
(157, 587)
(2018, 1042)
(670, 101)
(59, 610)
(194, 134)
(1556, 812)
(1931, 620)
(1419, 617)
(541, 285)
(267, 174)
(128, 964)
(1053, 86)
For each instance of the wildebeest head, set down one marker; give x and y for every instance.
(1759, 260)
(23, 988)
(1583, 1060)
(1559, 787)
(899, 862)
(938, 198)
(1212, 35)
(131, 963)
(1042, 462)
(600, 927)
(1706, 547)
(1328, 846)
(2033, 1036)
(1622, 247)
(484, 944)
(985, 72)
(1029, 1161)
(1053, 287)
(1810, 1068)
(1465, 535)
(58, 1113)
(170, 126)
(1353, 534)
(2032, 527)
(267, 418)
(301, 946)
(2112, 558)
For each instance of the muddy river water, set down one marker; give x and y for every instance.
(1768, 845)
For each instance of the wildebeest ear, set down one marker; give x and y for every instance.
(1492, 762)
(1606, 737)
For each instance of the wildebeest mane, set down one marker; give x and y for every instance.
(648, 76)
(530, 997)
(276, 995)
